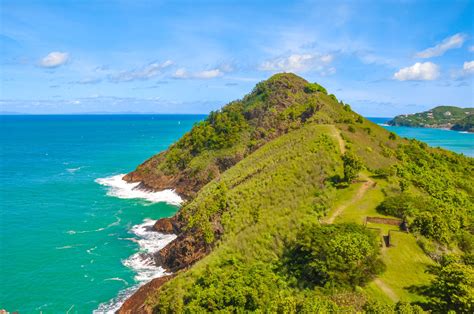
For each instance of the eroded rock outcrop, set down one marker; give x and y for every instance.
(136, 303)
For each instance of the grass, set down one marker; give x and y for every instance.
(272, 193)
(406, 262)
(247, 214)
(406, 265)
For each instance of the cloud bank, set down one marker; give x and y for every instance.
(426, 71)
(455, 41)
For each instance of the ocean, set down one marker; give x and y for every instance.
(71, 231)
(74, 237)
(459, 142)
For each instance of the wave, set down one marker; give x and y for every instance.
(383, 124)
(64, 247)
(90, 251)
(72, 170)
(117, 279)
(123, 189)
(115, 223)
(142, 262)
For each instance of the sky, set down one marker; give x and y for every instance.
(382, 57)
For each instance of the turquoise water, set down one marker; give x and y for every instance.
(459, 142)
(69, 227)
(63, 240)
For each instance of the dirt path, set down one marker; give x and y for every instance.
(360, 193)
(337, 135)
(386, 289)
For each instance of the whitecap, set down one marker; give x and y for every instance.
(142, 262)
(72, 170)
(123, 189)
(117, 279)
(90, 251)
(64, 247)
(115, 223)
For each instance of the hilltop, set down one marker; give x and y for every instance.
(279, 186)
(446, 117)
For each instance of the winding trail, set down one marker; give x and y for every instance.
(340, 141)
(360, 193)
(340, 209)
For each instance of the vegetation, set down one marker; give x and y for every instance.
(452, 289)
(283, 103)
(334, 255)
(460, 119)
(262, 193)
(466, 124)
(352, 167)
(435, 192)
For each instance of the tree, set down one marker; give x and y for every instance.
(334, 255)
(452, 289)
(352, 166)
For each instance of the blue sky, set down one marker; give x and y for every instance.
(382, 57)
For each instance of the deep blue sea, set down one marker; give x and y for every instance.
(73, 236)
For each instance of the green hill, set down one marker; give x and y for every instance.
(450, 117)
(281, 184)
(466, 124)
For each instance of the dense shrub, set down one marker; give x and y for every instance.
(404, 205)
(452, 289)
(352, 166)
(334, 255)
(314, 88)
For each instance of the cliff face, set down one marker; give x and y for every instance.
(136, 303)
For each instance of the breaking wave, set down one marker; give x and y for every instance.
(142, 262)
(123, 189)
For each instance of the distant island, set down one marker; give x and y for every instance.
(443, 117)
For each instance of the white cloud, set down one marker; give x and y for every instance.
(147, 72)
(300, 63)
(468, 67)
(455, 41)
(426, 71)
(471, 48)
(182, 73)
(54, 59)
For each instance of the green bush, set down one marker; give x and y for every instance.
(314, 88)
(452, 289)
(404, 205)
(334, 255)
(352, 166)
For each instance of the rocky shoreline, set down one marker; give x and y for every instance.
(179, 254)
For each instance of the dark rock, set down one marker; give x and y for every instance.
(136, 303)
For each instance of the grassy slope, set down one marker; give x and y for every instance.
(269, 194)
(269, 206)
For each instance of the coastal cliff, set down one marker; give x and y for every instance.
(266, 168)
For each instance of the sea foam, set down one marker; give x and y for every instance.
(123, 189)
(142, 262)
